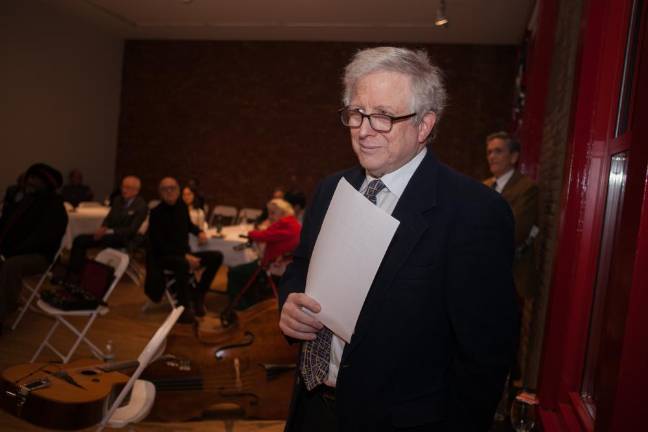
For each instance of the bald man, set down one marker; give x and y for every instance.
(117, 230)
(168, 249)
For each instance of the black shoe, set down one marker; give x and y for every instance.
(187, 317)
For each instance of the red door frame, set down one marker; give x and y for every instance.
(591, 143)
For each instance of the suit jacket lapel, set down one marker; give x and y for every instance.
(510, 185)
(418, 197)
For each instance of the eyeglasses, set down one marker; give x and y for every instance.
(379, 122)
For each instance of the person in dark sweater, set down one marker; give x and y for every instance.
(118, 229)
(31, 229)
(75, 191)
(168, 249)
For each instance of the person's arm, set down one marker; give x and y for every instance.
(483, 312)
(47, 232)
(278, 231)
(294, 322)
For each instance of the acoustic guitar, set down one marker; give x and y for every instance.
(55, 396)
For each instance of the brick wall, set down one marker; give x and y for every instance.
(243, 117)
(552, 158)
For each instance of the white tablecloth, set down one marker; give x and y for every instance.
(225, 244)
(83, 221)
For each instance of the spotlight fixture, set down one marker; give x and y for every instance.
(441, 17)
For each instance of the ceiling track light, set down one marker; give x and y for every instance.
(441, 17)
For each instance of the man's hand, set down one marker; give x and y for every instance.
(101, 231)
(296, 323)
(194, 262)
(202, 238)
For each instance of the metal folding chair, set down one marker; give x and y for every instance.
(117, 260)
(33, 291)
(143, 392)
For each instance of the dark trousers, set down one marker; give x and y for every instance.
(315, 411)
(84, 242)
(12, 272)
(178, 264)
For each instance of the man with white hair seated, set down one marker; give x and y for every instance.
(118, 229)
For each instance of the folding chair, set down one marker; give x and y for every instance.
(143, 394)
(248, 215)
(35, 290)
(226, 213)
(117, 260)
(169, 280)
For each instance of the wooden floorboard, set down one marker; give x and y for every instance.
(129, 329)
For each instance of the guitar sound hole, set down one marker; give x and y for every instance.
(88, 372)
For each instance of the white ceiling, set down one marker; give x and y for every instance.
(471, 21)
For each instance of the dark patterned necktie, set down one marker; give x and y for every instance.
(316, 354)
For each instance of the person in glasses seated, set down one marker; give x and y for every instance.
(278, 240)
(168, 249)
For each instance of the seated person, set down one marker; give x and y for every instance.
(297, 199)
(169, 229)
(31, 230)
(196, 214)
(280, 239)
(262, 220)
(118, 229)
(75, 191)
(200, 203)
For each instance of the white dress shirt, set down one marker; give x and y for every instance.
(386, 199)
(502, 180)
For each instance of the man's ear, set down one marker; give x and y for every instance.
(426, 126)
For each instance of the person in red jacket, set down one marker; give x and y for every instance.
(278, 241)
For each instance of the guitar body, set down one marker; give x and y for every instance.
(62, 404)
(245, 371)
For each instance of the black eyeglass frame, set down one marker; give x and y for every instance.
(393, 119)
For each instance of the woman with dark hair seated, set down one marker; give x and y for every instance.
(279, 240)
(196, 213)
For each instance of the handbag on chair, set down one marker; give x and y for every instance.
(95, 281)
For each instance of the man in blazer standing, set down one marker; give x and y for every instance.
(437, 331)
(502, 153)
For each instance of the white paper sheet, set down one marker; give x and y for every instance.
(351, 244)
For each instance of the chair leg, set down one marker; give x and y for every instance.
(45, 342)
(34, 292)
(81, 337)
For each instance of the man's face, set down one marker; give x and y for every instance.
(383, 152)
(169, 191)
(130, 188)
(500, 158)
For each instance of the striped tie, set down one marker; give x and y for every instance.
(316, 354)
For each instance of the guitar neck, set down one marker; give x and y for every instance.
(131, 364)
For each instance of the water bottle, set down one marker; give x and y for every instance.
(109, 354)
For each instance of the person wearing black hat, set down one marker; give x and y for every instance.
(31, 230)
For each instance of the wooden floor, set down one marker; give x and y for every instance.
(129, 329)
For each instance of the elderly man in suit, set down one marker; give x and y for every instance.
(435, 337)
(502, 153)
(127, 213)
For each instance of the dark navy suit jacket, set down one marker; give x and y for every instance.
(438, 330)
